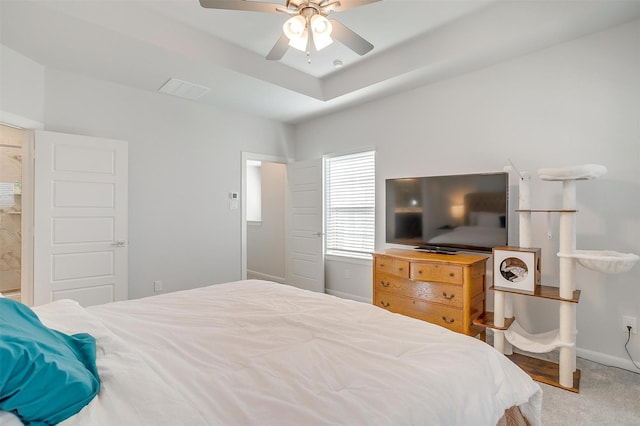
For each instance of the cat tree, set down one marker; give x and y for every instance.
(507, 331)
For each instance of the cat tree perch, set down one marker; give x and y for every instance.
(507, 331)
(605, 261)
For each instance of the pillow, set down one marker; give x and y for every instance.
(473, 219)
(491, 220)
(46, 376)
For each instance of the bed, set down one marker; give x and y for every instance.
(260, 353)
(484, 222)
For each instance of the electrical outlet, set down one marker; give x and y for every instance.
(157, 286)
(628, 321)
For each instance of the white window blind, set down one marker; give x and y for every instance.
(350, 204)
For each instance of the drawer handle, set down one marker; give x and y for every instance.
(451, 274)
(400, 269)
(385, 304)
(385, 284)
(382, 265)
(419, 271)
(447, 321)
(444, 294)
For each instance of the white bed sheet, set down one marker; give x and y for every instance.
(260, 353)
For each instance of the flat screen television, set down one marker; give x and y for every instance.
(448, 213)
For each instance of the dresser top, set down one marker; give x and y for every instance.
(458, 258)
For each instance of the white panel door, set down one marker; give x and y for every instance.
(305, 251)
(80, 222)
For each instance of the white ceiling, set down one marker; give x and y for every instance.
(142, 43)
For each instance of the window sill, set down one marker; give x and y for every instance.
(364, 259)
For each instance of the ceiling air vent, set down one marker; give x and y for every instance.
(183, 89)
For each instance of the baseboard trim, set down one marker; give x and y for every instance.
(350, 296)
(598, 357)
(255, 275)
(605, 359)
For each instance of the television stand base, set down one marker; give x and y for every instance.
(436, 250)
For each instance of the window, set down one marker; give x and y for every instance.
(350, 204)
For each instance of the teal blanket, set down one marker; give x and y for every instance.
(45, 376)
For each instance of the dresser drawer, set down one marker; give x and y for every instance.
(437, 272)
(447, 294)
(448, 317)
(392, 283)
(393, 266)
(440, 289)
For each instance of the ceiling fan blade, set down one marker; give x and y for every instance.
(250, 6)
(349, 38)
(346, 4)
(285, 10)
(279, 49)
(329, 6)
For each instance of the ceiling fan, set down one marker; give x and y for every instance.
(308, 23)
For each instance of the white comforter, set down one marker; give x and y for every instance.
(260, 353)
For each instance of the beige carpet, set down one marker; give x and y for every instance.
(608, 396)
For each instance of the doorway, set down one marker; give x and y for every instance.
(15, 213)
(263, 217)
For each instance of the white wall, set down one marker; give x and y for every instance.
(184, 159)
(266, 240)
(574, 103)
(21, 89)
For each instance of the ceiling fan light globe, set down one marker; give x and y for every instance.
(321, 41)
(294, 27)
(320, 25)
(300, 42)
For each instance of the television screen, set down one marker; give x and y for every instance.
(448, 213)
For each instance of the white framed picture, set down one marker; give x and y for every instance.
(516, 268)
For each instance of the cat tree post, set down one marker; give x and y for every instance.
(498, 318)
(503, 302)
(567, 270)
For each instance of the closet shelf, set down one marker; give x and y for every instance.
(606, 261)
(542, 291)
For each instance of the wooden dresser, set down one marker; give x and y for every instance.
(448, 290)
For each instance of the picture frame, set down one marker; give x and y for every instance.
(516, 268)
